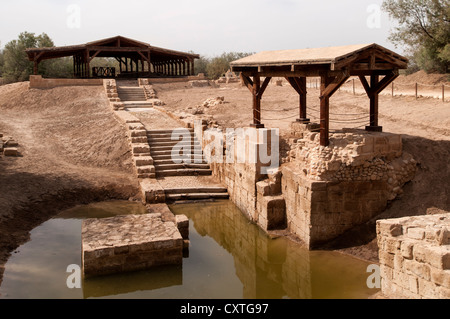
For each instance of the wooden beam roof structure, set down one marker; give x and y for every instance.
(334, 65)
(118, 47)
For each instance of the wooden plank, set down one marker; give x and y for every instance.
(256, 101)
(391, 60)
(95, 54)
(264, 86)
(335, 84)
(324, 111)
(248, 82)
(365, 84)
(143, 56)
(388, 79)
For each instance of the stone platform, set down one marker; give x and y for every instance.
(129, 243)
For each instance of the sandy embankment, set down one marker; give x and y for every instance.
(73, 151)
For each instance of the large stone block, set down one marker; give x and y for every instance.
(129, 243)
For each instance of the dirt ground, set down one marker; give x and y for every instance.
(73, 151)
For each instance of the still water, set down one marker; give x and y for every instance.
(228, 258)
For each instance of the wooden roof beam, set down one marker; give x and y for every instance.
(335, 84)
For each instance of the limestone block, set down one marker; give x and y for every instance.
(129, 243)
(183, 225)
(143, 160)
(11, 143)
(263, 188)
(140, 148)
(136, 133)
(10, 151)
(407, 249)
(145, 169)
(416, 233)
(136, 126)
(389, 228)
(441, 278)
(152, 191)
(139, 140)
(419, 269)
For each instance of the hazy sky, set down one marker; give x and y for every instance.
(205, 27)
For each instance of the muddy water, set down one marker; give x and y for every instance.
(228, 258)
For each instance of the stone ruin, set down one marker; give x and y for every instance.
(414, 255)
(229, 77)
(8, 146)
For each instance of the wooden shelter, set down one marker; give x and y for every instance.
(135, 58)
(334, 65)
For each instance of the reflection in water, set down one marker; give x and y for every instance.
(276, 268)
(228, 258)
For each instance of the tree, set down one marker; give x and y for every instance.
(424, 29)
(1, 61)
(221, 64)
(17, 67)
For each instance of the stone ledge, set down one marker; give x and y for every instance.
(129, 243)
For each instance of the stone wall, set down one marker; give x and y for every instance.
(414, 256)
(239, 175)
(162, 80)
(37, 82)
(329, 190)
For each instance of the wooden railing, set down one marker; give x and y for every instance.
(103, 72)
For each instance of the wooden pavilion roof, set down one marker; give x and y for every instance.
(354, 57)
(118, 46)
(334, 65)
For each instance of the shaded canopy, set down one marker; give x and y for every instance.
(334, 65)
(120, 48)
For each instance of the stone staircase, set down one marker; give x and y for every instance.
(166, 167)
(161, 145)
(133, 96)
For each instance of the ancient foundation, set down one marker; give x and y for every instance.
(132, 242)
(319, 192)
(414, 256)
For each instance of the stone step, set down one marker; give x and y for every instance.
(168, 138)
(172, 166)
(193, 149)
(184, 172)
(137, 106)
(196, 190)
(170, 161)
(196, 196)
(173, 143)
(169, 153)
(159, 158)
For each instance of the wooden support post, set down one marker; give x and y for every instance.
(373, 90)
(374, 104)
(392, 89)
(257, 91)
(299, 85)
(324, 111)
(192, 67)
(256, 103)
(443, 92)
(416, 90)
